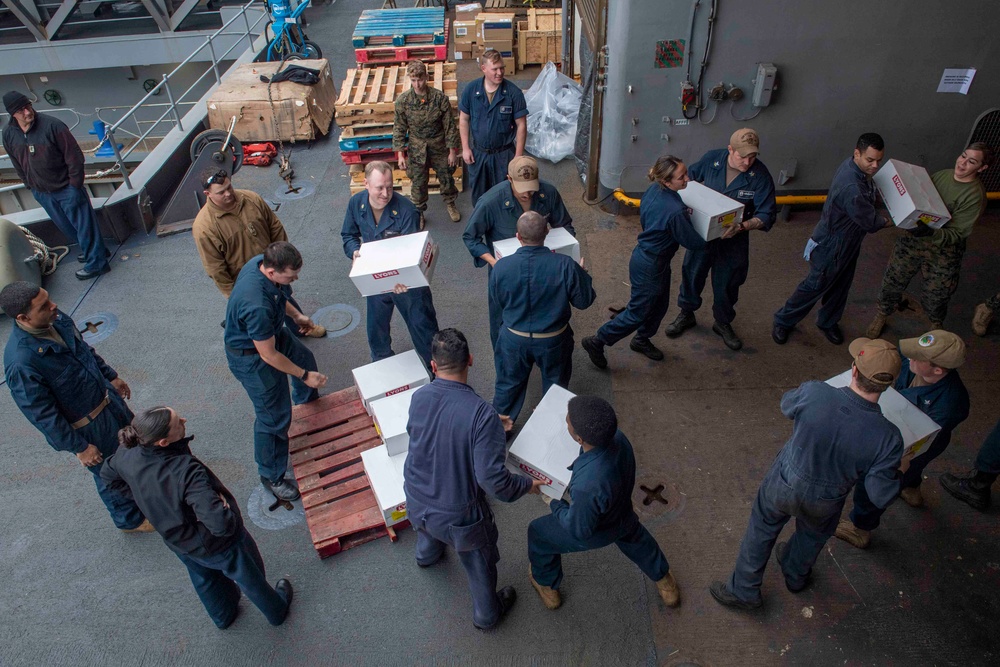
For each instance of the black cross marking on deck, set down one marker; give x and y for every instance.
(278, 502)
(656, 493)
(91, 327)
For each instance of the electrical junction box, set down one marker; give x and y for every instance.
(763, 85)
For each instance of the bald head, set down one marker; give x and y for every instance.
(532, 228)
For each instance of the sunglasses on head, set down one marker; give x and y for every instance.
(218, 178)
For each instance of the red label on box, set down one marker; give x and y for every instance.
(534, 473)
(428, 253)
(385, 274)
(397, 390)
(401, 507)
(899, 184)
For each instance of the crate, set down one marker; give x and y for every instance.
(369, 94)
(301, 113)
(537, 41)
(326, 439)
(517, 7)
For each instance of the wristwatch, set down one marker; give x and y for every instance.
(305, 373)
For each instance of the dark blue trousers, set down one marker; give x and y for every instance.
(866, 515)
(548, 540)
(496, 313)
(782, 496)
(988, 459)
(218, 580)
(487, 171)
(729, 262)
(647, 304)
(272, 403)
(829, 280)
(72, 213)
(514, 357)
(103, 433)
(417, 308)
(473, 535)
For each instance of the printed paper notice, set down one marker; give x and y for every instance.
(956, 81)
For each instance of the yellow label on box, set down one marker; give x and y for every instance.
(918, 445)
(396, 515)
(727, 219)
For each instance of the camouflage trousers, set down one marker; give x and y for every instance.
(993, 303)
(938, 265)
(420, 158)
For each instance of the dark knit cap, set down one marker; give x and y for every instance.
(15, 101)
(593, 419)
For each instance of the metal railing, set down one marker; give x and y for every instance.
(171, 114)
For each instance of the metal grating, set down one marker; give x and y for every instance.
(987, 129)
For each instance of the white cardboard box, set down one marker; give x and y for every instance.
(543, 449)
(385, 473)
(910, 195)
(918, 430)
(408, 259)
(557, 240)
(711, 212)
(391, 414)
(390, 376)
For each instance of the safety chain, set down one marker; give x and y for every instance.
(285, 171)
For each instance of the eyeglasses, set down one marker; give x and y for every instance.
(218, 177)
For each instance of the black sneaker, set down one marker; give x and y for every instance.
(595, 350)
(779, 557)
(779, 334)
(646, 348)
(723, 596)
(284, 589)
(684, 321)
(833, 334)
(507, 596)
(283, 489)
(84, 274)
(729, 336)
(967, 490)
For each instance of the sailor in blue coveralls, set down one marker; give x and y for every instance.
(535, 288)
(66, 391)
(495, 218)
(666, 226)
(735, 172)
(262, 353)
(974, 487)
(832, 251)
(601, 510)
(493, 124)
(839, 438)
(929, 379)
(456, 457)
(376, 214)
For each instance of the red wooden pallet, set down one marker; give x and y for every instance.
(364, 157)
(326, 439)
(401, 54)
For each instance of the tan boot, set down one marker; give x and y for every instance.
(550, 596)
(853, 535)
(981, 320)
(912, 497)
(453, 212)
(875, 328)
(317, 331)
(144, 527)
(669, 591)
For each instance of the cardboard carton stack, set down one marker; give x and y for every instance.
(465, 37)
(496, 31)
(910, 195)
(386, 388)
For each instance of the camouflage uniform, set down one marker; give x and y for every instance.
(430, 122)
(938, 257)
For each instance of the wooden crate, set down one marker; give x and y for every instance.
(517, 7)
(369, 93)
(302, 112)
(537, 41)
(326, 439)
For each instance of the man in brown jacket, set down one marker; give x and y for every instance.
(233, 226)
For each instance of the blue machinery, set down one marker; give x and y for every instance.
(289, 42)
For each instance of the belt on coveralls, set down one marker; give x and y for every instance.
(92, 415)
(493, 151)
(242, 352)
(525, 334)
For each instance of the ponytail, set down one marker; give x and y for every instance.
(664, 168)
(148, 427)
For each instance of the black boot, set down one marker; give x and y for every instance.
(685, 320)
(973, 489)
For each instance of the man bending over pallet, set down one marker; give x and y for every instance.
(425, 114)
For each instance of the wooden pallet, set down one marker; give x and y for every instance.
(539, 38)
(400, 27)
(326, 439)
(401, 182)
(517, 7)
(383, 55)
(364, 157)
(369, 94)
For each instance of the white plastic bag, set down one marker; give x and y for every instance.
(553, 107)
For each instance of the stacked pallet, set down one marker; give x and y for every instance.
(386, 36)
(518, 7)
(365, 111)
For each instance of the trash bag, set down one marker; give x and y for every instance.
(553, 108)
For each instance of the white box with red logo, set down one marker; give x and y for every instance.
(918, 430)
(390, 376)
(557, 240)
(391, 415)
(910, 195)
(543, 449)
(385, 474)
(711, 212)
(408, 260)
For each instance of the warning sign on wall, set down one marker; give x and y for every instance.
(670, 53)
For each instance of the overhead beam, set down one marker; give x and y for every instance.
(57, 20)
(162, 22)
(182, 13)
(25, 17)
